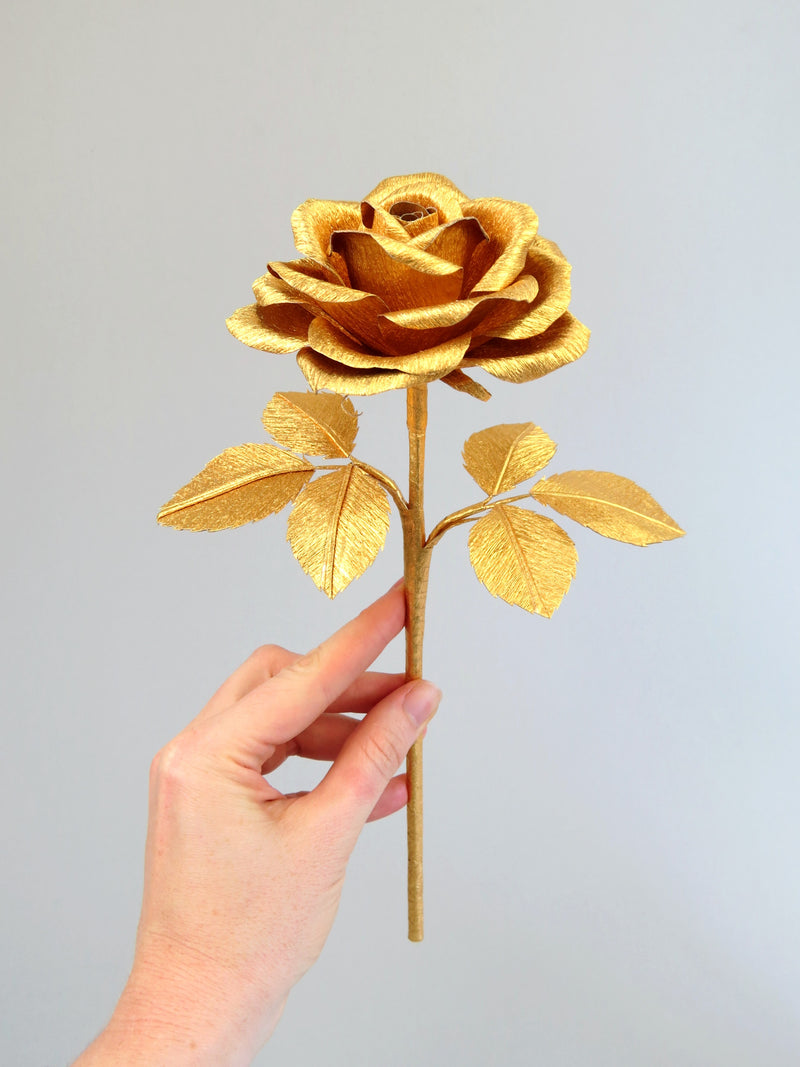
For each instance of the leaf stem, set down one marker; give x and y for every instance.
(458, 518)
(391, 487)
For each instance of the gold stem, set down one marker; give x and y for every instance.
(417, 559)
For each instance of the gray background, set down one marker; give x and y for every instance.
(612, 805)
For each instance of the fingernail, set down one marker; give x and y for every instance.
(397, 584)
(421, 701)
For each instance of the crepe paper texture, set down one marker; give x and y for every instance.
(414, 284)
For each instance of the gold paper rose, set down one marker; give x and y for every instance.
(413, 283)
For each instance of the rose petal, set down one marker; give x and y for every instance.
(511, 227)
(547, 264)
(353, 309)
(418, 226)
(323, 373)
(396, 271)
(278, 328)
(325, 339)
(454, 242)
(424, 188)
(522, 361)
(315, 220)
(271, 290)
(414, 328)
(378, 220)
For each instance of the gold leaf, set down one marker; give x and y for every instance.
(503, 456)
(609, 504)
(524, 558)
(316, 424)
(338, 526)
(240, 485)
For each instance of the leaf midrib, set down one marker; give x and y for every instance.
(526, 429)
(607, 503)
(329, 433)
(228, 487)
(513, 537)
(336, 520)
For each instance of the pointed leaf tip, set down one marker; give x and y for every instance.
(242, 484)
(609, 504)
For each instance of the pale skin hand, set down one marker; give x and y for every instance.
(242, 883)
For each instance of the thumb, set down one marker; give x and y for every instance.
(376, 748)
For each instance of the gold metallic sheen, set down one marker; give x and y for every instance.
(242, 484)
(413, 266)
(503, 456)
(414, 282)
(314, 424)
(523, 558)
(338, 526)
(608, 504)
(417, 561)
(462, 383)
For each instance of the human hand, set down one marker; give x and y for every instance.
(241, 882)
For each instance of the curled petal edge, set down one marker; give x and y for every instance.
(524, 361)
(279, 328)
(323, 373)
(438, 360)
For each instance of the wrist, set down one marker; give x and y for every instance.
(179, 1009)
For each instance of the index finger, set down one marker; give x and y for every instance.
(277, 710)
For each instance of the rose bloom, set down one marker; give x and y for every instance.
(416, 283)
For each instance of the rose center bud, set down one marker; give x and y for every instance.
(405, 211)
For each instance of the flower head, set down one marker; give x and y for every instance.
(412, 284)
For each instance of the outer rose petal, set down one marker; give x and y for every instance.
(547, 264)
(324, 373)
(511, 228)
(396, 271)
(522, 361)
(424, 188)
(315, 220)
(328, 341)
(271, 290)
(278, 328)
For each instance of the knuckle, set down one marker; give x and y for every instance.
(309, 663)
(382, 752)
(269, 659)
(309, 672)
(172, 765)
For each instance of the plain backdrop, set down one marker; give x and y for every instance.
(612, 873)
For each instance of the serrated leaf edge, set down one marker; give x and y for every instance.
(331, 436)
